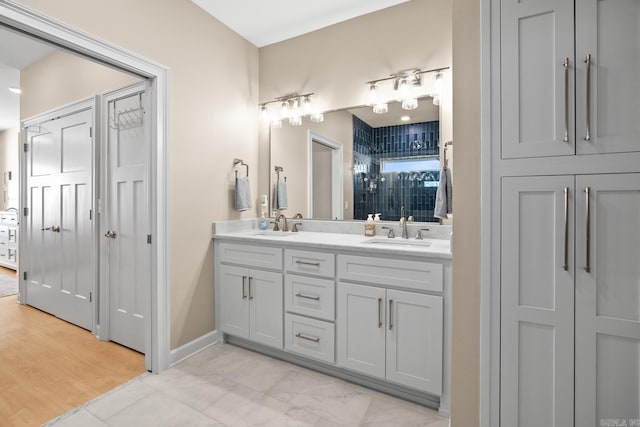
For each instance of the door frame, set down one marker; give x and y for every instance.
(40, 26)
(336, 173)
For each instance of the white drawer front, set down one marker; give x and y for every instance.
(4, 253)
(307, 262)
(9, 218)
(309, 337)
(250, 255)
(4, 232)
(417, 275)
(309, 296)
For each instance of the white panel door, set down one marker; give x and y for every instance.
(537, 286)
(360, 319)
(537, 89)
(414, 340)
(60, 239)
(607, 299)
(234, 312)
(608, 105)
(127, 220)
(266, 308)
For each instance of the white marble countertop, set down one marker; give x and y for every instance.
(378, 245)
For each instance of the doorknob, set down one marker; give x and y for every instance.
(55, 229)
(110, 234)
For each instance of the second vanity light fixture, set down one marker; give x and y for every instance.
(293, 107)
(403, 83)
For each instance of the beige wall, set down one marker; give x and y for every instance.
(9, 161)
(213, 93)
(466, 221)
(63, 78)
(290, 150)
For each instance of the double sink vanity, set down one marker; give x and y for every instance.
(371, 310)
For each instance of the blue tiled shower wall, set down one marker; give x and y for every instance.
(387, 193)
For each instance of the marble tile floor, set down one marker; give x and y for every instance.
(225, 385)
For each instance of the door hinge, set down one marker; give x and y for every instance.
(90, 214)
(26, 211)
(90, 132)
(24, 275)
(148, 239)
(90, 297)
(25, 147)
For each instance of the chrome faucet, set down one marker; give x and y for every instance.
(284, 219)
(403, 224)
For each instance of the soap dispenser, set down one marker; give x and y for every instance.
(369, 226)
(262, 222)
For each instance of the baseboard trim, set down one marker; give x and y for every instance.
(192, 347)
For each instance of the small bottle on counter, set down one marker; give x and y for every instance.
(369, 226)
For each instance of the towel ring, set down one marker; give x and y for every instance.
(242, 163)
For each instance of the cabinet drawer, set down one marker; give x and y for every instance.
(250, 255)
(309, 337)
(309, 296)
(417, 275)
(307, 262)
(9, 219)
(4, 253)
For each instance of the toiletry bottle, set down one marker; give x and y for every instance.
(262, 222)
(369, 226)
(377, 217)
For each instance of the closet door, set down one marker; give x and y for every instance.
(608, 104)
(537, 301)
(607, 299)
(536, 87)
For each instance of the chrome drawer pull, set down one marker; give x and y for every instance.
(315, 264)
(565, 266)
(587, 61)
(565, 64)
(390, 314)
(379, 313)
(312, 297)
(250, 295)
(244, 293)
(587, 266)
(304, 337)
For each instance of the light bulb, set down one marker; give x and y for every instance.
(405, 118)
(436, 100)
(295, 121)
(308, 107)
(410, 104)
(317, 118)
(373, 94)
(264, 113)
(286, 110)
(380, 108)
(438, 83)
(404, 88)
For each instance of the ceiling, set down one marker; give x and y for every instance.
(16, 52)
(272, 21)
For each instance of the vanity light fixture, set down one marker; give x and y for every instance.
(403, 82)
(293, 107)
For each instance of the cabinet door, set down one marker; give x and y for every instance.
(608, 31)
(265, 301)
(414, 340)
(234, 311)
(537, 302)
(608, 299)
(536, 88)
(361, 328)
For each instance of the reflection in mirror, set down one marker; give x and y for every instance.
(357, 162)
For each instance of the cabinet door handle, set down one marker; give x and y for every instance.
(390, 314)
(250, 294)
(304, 337)
(379, 313)
(565, 64)
(565, 266)
(587, 61)
(311, 297)
(315, 264)
(244, 293)
(587, 266)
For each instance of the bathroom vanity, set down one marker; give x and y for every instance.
(372, 310)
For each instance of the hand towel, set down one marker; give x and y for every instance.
(282, 195)
(243, 194)
(444, 195)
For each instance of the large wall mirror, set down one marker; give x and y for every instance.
(357, 162)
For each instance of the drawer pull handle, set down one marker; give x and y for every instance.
(379, 313)
(250, 294)
(312, 297)
(304, 337)
(390, 314)
(244, 293)
(315, 264)
(565, 64)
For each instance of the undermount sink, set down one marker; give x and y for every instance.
(398, 242)
(268, 233)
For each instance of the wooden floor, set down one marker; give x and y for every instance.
(48, 366)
